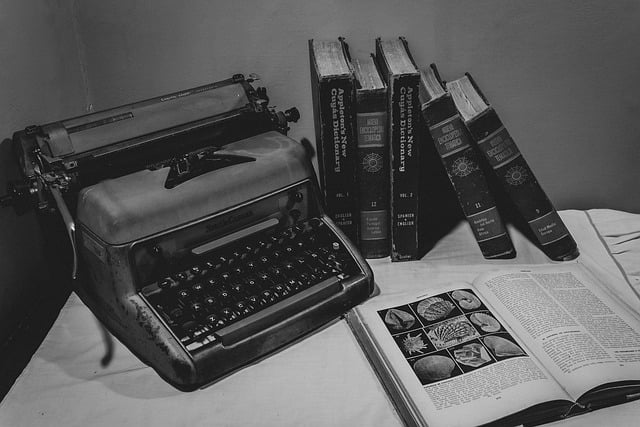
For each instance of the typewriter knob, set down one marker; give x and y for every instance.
(21, 195)
(292, 115)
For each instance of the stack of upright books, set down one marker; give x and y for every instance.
(401, 153)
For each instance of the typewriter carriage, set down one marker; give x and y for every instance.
(77, 152)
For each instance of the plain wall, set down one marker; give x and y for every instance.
(40, 81)
(563, 75)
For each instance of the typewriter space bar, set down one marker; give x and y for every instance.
(273, 314)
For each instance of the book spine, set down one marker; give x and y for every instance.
(404, 113)
(522, 187)
(462, 164)
(334, 117)
(373, 172)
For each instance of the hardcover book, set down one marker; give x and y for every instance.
(403, 80)
(462, 164)
(334, 112)
(512, 170)
(373, 159)
(525, 345)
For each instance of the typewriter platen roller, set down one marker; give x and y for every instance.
(202, 245)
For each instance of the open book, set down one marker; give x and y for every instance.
(522, 345)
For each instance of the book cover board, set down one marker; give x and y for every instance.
(334, 112)
(512, 171)
(461, 161)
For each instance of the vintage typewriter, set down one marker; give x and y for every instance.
(201, 243)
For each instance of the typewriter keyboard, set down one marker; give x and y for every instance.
(252, 283)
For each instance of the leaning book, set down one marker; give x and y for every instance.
(462, 162)
(523, 345)
(512, 170)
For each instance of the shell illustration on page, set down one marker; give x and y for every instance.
(467, 300)
(485, 321)
(434, 308)
(473, 355)
(502, 347)
(452, 332)
(399, 320)
(414, 344)
(434, 368)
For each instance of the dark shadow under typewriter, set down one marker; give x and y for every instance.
(199, 237)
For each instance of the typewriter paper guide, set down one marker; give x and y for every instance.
(138, 205)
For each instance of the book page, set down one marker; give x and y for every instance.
(570, 322)
(441, 351)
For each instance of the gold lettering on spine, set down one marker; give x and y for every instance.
(405, 112)
(499, 148)
(339, 125)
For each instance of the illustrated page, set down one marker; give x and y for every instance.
(455, 356)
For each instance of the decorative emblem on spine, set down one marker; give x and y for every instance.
(372, 162)
(462, 167)
(516, 175)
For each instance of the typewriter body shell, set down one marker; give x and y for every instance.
(131, 226)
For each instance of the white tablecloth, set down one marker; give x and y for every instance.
(324, 379)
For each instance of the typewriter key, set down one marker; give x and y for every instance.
(251, 284)
(264, 297)
(223, 294)
(229, 314)
(281, 290)
(215, 321)
(196, 307)
(236, 288)
(294, 284)
(243, 308)
(181, 277)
